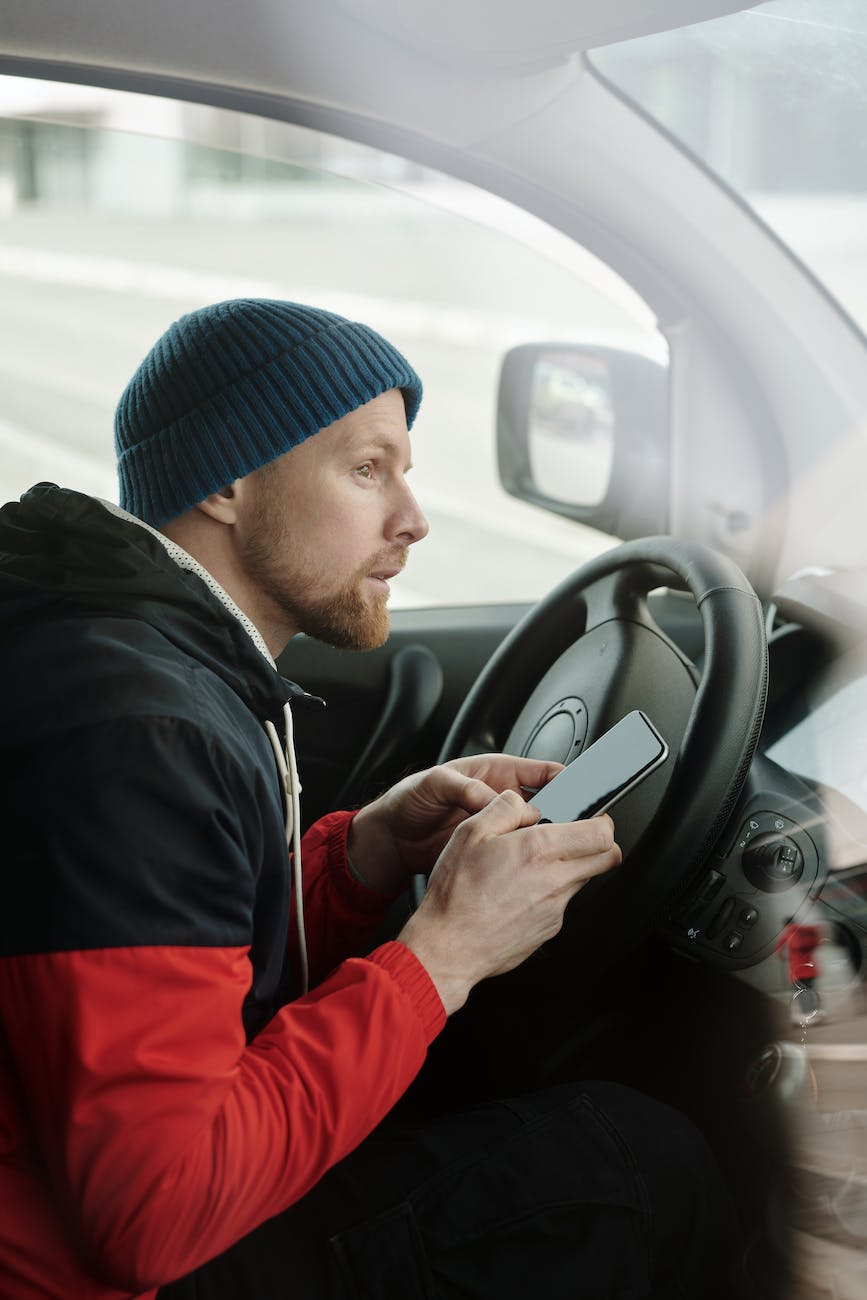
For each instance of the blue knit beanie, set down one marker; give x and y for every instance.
(233, 386)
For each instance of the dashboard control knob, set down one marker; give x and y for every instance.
(772, 862)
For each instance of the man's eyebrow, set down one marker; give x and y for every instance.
(377, 442)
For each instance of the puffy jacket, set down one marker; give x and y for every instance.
(163, 1087)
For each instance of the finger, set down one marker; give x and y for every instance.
(452, 787)
(533, 773)
(576, 872)
(508, 771)
(581, 838)
(506, 812)
(572, 841)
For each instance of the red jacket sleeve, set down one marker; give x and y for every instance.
(340, 914)
(167, 1139)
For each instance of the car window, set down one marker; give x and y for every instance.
(120, 212)
(772, 100)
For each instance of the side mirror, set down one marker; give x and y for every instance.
(583, 432)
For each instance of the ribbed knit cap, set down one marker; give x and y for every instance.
(235, 385)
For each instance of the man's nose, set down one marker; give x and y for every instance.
(411, 525)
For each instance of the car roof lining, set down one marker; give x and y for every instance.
(356, 54)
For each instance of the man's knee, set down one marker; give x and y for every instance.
(693, 1227)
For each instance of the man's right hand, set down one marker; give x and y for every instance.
(499, 890)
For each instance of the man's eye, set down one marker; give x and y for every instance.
(366, 471)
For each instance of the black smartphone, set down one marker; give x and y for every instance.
(604, 771)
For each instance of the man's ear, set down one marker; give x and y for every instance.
(223, 506)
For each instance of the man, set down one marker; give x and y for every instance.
(189, 1045)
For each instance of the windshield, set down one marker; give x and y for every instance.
(773, 101)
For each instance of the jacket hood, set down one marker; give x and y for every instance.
(64, 556)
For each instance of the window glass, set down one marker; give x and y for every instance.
(773, 100)
(120, 212)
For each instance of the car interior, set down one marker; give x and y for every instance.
(624, 246)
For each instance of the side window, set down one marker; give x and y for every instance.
(121, 212)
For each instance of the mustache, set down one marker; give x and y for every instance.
(393, 559)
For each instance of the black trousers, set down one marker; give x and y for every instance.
(592, 1191)
(563, 1186)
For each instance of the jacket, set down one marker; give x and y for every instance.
(164, 1086)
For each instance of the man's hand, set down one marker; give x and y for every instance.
(499, 891)
(405, 830)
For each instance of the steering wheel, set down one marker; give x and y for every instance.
(589, 653)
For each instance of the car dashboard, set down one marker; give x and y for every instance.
(797, 840)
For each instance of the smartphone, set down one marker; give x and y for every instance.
(604, 772)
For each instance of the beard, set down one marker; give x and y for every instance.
(345, 620)
(348, 619)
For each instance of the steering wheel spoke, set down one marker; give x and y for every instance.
(621, 594)
(589, 653)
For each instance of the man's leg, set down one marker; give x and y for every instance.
(590, 1190)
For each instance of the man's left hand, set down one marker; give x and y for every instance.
(404, 831)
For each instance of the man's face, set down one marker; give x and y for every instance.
(332, 521)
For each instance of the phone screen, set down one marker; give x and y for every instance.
(605, 771)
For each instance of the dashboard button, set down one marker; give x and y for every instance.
(710, 887)
(721, 920)
(748, 917)
(701, 897)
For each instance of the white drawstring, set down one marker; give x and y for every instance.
(292, 786)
